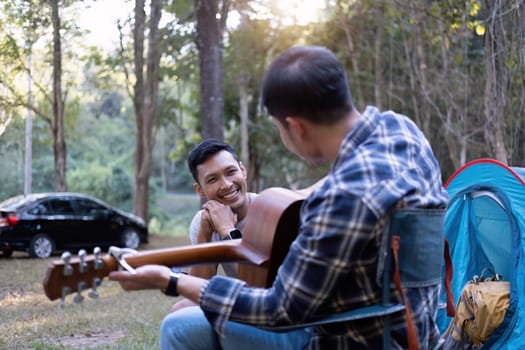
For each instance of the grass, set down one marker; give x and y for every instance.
(116, 320)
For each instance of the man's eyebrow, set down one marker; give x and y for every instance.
(207, 176)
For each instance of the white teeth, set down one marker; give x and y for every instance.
(231, 195)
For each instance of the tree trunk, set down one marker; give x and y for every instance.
(351, 38)
(58, 104)
(420, 65)
(145, 99)
(378, 59)
(209, 43)
(163, 156)
(494, 86)
(244, 101)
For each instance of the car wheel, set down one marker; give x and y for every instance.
(130, 238)
(41, 246)
(7, 252)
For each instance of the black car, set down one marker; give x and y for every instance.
(47, 222)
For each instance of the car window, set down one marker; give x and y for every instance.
(40, 208)
(88, 207)
(60, 207)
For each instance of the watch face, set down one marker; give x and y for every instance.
(235, 234)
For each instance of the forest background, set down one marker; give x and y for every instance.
(117, 121)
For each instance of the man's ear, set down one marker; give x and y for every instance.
(296, 126)
(199, 190)
(243, 170)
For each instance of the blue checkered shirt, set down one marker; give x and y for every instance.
(384, 162)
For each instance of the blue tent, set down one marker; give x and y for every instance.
(485, 226)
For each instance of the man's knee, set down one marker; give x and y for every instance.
(187, 328)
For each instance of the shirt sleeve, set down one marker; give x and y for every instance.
(195, 226)
(335, 231)
(220, 295)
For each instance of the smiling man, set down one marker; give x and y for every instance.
(220, 178)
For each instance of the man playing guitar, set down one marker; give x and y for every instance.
(380, 161)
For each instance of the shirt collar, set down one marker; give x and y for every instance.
(358, 134)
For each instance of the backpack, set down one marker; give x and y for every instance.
(480, 310)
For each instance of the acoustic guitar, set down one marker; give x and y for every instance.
(271, 226)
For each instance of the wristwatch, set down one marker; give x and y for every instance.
(171, 290)
(233, 234)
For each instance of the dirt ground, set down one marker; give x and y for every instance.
(20, 282)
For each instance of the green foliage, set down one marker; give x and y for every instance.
(28, 15)
(176, 132)
(174, 213)
(100, 121)
(11, 151)
(112, 185)
(100, 152)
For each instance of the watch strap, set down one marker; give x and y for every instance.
(235, 234)
(171, 290)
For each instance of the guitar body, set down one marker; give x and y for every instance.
(271, 226)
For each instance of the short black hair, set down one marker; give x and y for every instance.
(204, 150)
(307, 81)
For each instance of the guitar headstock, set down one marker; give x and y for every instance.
(76, 274)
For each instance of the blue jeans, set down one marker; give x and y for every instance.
(188, 328)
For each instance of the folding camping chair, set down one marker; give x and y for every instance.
(411, 255)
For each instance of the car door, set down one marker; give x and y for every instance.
(96, 222)
(35, 219)
(60, 222)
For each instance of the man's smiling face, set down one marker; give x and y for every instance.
(223, 178)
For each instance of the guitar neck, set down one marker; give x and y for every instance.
(207, 253)
(65, 278)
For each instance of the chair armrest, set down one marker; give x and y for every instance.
(351, 315)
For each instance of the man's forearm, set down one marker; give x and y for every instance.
(190, 287)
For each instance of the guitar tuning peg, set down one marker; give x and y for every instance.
(66, 257)
(98, 260)
(93, 293)
(83, 266)
(78, 297)
(65, 292)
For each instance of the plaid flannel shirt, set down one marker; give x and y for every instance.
(384, 162)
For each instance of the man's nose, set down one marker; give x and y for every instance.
(226, 182)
